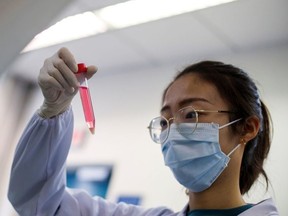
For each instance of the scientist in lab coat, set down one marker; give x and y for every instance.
(213, 131)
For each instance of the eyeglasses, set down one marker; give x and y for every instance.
(159, 127)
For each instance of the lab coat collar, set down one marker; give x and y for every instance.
(265, 207)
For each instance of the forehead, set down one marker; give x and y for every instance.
(193, 89)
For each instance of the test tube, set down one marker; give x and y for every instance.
(85, 97)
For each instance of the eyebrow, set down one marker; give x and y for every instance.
(185, 102)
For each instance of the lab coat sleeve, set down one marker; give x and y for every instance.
(37, 181)
(38, 176)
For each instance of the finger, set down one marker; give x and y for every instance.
(46, 81)
(68, 58)
(69, 79)
(91, 70)
(61, 80)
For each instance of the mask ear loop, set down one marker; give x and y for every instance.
(230, 123)
(243, 142)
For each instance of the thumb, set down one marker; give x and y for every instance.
(91, 70)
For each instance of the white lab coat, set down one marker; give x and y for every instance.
(38, 178)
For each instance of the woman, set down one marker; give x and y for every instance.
(214, 133)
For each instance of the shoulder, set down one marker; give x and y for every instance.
(265, 207)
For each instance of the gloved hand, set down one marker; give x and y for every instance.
(58, 82)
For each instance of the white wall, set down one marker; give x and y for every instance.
(124, 103)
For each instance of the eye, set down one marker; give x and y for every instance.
(190, 115)
(163, 123)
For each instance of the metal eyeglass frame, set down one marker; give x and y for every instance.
(174, 117)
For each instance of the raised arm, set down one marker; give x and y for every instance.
(38, 178)
(37, 183)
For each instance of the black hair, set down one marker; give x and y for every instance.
(241, 93)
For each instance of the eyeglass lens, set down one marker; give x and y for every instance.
(159, 126)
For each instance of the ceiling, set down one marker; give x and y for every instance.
(235, 27)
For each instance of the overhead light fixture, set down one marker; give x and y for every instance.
(141, 11)
(68, 29)
(129, 13)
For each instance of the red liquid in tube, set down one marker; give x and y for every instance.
(86, 98)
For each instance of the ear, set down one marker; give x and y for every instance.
(251, 128)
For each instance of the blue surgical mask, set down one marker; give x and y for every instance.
(195, 159)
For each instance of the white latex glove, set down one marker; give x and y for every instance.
(58, 82)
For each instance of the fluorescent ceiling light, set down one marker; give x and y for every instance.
(68, 29)
(140, 11)
(117, 16)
